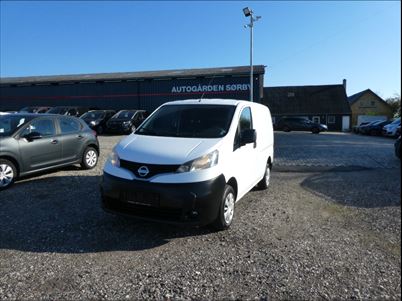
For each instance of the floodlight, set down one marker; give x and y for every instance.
(247, 12)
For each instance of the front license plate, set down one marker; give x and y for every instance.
(141, 198)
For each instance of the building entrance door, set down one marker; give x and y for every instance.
(345, 123)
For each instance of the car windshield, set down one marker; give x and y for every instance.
(57, 110)
(123, 115)
(396, 121)
(93, 115)
(189, 121)
(10, 123)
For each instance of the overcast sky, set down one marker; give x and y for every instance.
(301, 43)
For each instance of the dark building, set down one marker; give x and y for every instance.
(130, 90)
(326, 104)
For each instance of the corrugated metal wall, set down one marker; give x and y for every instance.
(135, 94)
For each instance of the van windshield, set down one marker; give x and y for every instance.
(189, 121)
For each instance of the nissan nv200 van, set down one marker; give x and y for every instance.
(190, 162)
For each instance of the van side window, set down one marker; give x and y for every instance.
(245, 123)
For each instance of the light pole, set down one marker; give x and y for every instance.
(249, 13)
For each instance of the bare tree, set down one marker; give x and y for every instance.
(395, 103)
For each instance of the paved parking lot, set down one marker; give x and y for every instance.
(328, 227)
(304, 149)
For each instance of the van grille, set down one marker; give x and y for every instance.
(153, 169)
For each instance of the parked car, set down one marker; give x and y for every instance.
(374, 128)
(190, 162)
(32, 143)
(397, 147)
(96, 119)
(37, 110)
(398, 131)
(390, 129)
(69, 111)
(357, 127)
(288, 124)
(125, 121)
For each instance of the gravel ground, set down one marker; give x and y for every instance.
(331, 234)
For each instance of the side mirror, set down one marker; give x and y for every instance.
(248, 136)
(32, 136)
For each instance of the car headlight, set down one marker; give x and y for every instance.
(203, 162)
(93, 122)
(126, 123)
(324, 126)
(114, 159)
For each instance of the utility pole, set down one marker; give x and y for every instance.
(249, 13)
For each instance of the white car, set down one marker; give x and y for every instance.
(190, 162)
(390, 130)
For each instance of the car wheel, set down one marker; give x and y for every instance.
(8, 173)
(90, 158)
(286, 129)
(100, 130)
(264, 183)
(315, 131)
(226, 209)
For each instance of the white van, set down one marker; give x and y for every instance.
(190, 161)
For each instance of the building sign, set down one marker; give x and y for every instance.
(210, 88)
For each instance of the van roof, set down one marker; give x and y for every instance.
(209, 101)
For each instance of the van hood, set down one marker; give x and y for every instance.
(164, 150)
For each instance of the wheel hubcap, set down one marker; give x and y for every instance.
(91, 158)
(6, 175)
(229, 208)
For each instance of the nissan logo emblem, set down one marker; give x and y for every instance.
(143, 171)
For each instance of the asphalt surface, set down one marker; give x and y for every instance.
(320, 231)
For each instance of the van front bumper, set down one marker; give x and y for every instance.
(182, 203)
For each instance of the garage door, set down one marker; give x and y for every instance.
(369, 118)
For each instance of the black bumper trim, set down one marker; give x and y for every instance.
(184, 203)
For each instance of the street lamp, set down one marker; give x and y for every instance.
(249, 13)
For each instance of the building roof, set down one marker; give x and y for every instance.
(118, 76)
(307, 100)
(355, 97)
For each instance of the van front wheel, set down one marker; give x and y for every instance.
(264, 183)
(226, 209)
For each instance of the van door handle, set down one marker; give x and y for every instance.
(54, 141)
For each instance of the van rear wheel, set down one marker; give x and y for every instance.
(264, 183)
(226, 209)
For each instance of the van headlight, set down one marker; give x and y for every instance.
(114, 159)
(203, 162)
